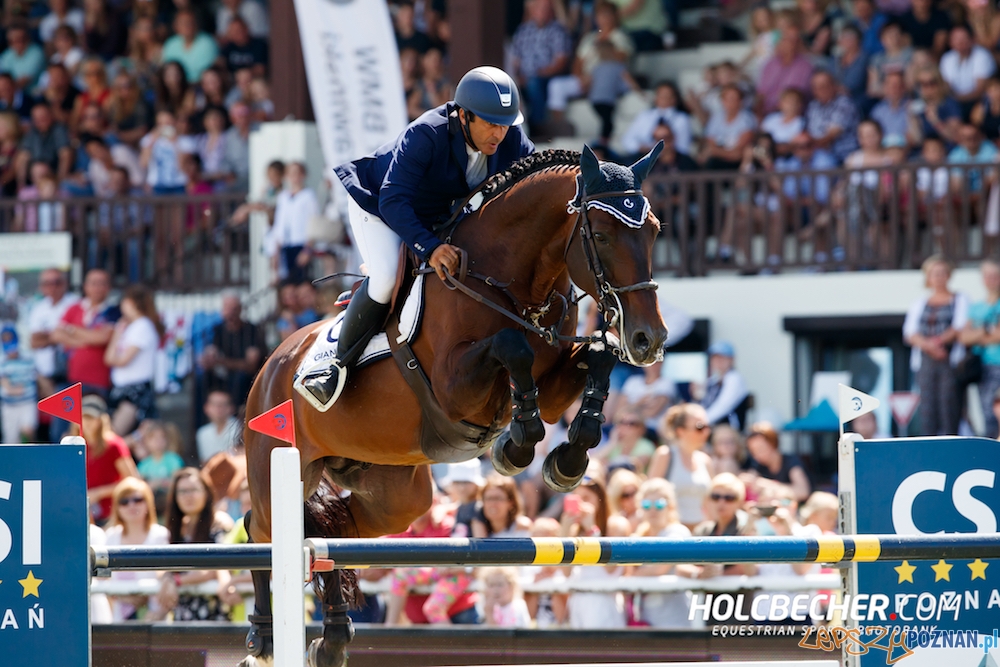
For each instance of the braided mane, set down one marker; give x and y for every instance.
(552, 158)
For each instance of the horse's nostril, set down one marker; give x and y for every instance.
(640, 342)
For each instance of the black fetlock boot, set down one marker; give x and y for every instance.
(260, 637)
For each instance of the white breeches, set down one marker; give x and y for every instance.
(379, 248)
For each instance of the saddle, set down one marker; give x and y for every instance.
(441, 439)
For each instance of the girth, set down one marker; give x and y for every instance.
(441, 439)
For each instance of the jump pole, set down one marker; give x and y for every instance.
(289, 560)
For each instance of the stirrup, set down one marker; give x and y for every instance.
(298, 386)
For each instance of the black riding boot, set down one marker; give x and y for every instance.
(364, 318)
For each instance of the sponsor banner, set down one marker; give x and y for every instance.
(44, 559)
(355, 83)
(945, 612)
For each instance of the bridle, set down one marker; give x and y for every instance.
(608, 302)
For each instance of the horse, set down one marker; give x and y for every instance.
(508, 354)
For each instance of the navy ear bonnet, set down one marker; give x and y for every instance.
(598, 177)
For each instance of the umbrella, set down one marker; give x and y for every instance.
(821, 417)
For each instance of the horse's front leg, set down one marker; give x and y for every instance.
(506, 350)
(588, 368)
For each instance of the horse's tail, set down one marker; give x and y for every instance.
(328, 515)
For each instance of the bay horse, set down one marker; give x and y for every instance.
(554, 219)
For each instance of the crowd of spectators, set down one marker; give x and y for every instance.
(90, 88)
(894, 90)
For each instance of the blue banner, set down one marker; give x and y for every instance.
(944, 610)
(44, 559)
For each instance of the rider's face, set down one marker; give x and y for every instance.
(486, 136)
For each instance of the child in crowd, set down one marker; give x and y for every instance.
(161, 462)
(548, 609)
(18, 392)
(504, 604)
(222, 429)
(764, 39)
(932, 180)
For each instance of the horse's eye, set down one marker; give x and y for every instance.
(600, 237)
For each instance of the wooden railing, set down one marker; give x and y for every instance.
(882, 218)
(176, 243)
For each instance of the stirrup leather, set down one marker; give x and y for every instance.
(298, 385)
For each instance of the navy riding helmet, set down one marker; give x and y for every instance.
(491, 94)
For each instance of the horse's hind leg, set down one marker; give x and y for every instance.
(384, 500)
(338, 631)
(260, 640)
(565, 465)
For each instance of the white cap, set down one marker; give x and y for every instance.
(467, 471)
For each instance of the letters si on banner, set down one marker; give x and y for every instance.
(355, 83)
(44, 561)
(948, 611)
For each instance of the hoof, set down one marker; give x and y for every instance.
(556, 480)
(252, 661)
(326, 654)
(501, 463)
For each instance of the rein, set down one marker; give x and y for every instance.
(608, 302)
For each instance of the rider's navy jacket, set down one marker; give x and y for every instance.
(413, 182)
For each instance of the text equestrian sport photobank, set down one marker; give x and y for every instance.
(473, 333)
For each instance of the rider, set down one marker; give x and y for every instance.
(398, 194)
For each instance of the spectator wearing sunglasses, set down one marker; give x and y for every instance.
(767, 460)
(658, 503)
(627, 444)
(726, 518)
(684, 462)
(133, 522)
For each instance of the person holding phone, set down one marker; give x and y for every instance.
(776, 514)
(160, 157)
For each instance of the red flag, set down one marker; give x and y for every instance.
(66, 404)
(278, 422)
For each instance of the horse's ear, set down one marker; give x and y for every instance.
(642, 168)
(590, 168)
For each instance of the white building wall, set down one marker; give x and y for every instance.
(748, 311)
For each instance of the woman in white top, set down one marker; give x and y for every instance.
(133, 522)
(131, 355)
(658, 501)
(685, 463)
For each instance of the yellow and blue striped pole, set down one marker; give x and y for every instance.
(351, 553)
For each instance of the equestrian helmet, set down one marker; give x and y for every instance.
(491, 94)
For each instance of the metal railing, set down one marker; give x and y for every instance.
(890, 217)
(173, 243)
